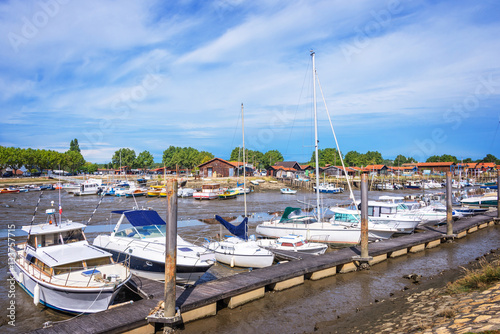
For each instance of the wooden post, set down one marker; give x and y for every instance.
(449, 209)
(498, 194)
(364, 216)
(171, 248)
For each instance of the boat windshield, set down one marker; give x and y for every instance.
(142, 232)
(346, 217)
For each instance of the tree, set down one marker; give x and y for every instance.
(204, 156)
(326, 156)
(353, 158)
(144, 160)
(73, 146)
(124, 157)
(271, 157)
(74, 161)
(443, 158)
(490, 158)
(89, 168)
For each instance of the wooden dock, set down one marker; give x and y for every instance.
(205, 299)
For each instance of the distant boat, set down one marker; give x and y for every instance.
(228, 194)
(294, 243)
(8, 190)
(208, 191)
(89, 187)
(288, 191)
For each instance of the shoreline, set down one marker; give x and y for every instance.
(424, 307)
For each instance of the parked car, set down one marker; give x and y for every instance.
(7, 174)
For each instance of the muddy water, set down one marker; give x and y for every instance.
(296, 309)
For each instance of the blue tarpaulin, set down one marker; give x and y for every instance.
(240, 230)
(142, 217)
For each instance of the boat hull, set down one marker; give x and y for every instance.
(314, 232)
(70, 300)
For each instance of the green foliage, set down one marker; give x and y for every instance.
(354, 158)
(74, 161)
(144, 160)
(401, 159)
(184, 157)
(123, 157)
(252, 157)
(270, 158)
(443, 158)
(478, 279)
(89, 168)
(73, 146)
(326, 156)
(491, 158)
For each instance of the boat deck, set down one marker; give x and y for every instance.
(219, 291)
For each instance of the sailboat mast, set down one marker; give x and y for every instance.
(244, 163)
(316, 137)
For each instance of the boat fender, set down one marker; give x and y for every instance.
(36, 294)
(232, 261)
(21, 278)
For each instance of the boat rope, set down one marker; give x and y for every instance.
(351, 193)
(34, 213)
(92, 215)
(50, 323)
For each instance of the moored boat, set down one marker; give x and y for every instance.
(208, 191)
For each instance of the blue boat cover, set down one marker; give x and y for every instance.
(142, 217)
(239, 184)
(240, 231)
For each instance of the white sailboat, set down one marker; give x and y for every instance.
(312, 228)
(240, 250)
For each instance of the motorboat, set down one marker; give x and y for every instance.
(328, 188)
(293, 222)
(293, 243)
(388, 212)
(288, 191)
(208, 191)
(228, 194)
(185, 192)
(240, 250)
(143, 240)
(89, 187)
(413, 185)
(378, 228)
(8, 190)
(488, 199)
(61, 270)
(385, 186)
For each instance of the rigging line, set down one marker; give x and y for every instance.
(297, 106)
(351, 194)
(34, 213)
(235, 128)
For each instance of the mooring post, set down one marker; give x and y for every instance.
(449, 209)
(171, 248)
(498, 196)
(364, 258)
(364, 216)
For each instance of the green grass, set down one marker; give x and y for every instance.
(477, 279)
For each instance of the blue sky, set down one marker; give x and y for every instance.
(417, 78)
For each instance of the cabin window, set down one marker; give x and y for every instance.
(69, 267)
(102, 261)
(42, 266)
(287, 244)
(32, 241)
(298, 244)
(370, 211)
(72, 236)
(385, 210)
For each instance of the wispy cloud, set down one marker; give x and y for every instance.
(147, 75)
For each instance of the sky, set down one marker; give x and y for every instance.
(417, 78)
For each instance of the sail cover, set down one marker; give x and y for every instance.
(142, 217)
(287, 213)
(240, 231)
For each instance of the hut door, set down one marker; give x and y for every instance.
(209, 170)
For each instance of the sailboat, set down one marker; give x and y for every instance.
(313, 228)
(240, 250)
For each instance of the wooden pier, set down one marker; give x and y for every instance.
(206, 299)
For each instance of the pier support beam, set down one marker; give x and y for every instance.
(397, 253)
(449, 209)
(289, 283)
(323, 273)
(244, 298)
(432, 244)
(416, 248)
(364, 259)
(199, 313)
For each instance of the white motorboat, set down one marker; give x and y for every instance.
(61, 270)
(89, 187)
(385, 186)
(144, 242)
(388, 212)
(309, 227)
(328, 188)
(294, 243)
(208, 191)
(185, 192)
(288, 191)
(378, 228)
(488, 199)
(239, 250)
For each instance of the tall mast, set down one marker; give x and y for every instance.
(316, 137)
(244, 163)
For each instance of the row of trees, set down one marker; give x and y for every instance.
(451, 158)
(35, 160)
(258, 159)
